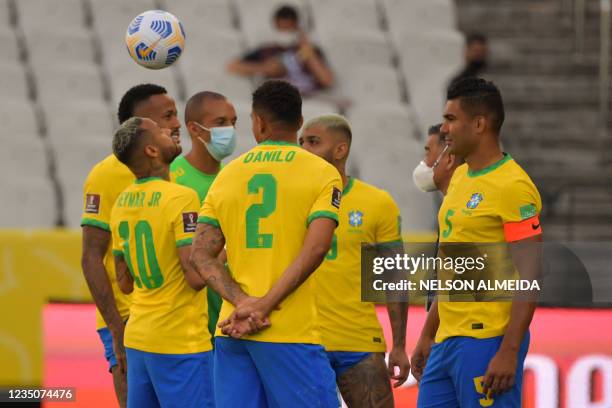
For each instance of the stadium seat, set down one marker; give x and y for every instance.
(313, 107)
(371, 83)
(385, 150)
(18, 121)
(129, 74)
(59, 46)
(351, 15)
(419, 15)
(112, 17)
(198, 14)
(211, 50)
(427, 95)
(56, 84)
(28, 203)
(26, 158)
(347, 50)
(421, 51)
(202, 79)
(83, 119)
(5, 14)
(244, 133)
(13, 81)
(10, 48)
(50, 13)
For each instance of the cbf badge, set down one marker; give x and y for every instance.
(355, 218)
(474, 201)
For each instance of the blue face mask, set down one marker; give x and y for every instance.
(222, 141)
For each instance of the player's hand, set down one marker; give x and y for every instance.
(250, 316)
(500, 373)
(119, 350)
(419, 357)
(398, 358)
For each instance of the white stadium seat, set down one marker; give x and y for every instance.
(27, 203)
(211, 50)
(26, 158)
(386, 151)
(232, 86)
(245, 140)
(112, 17)
(198, 14)
(427, 95)
(10, 48)
(416, 15)
(123, 77)
(346, 50)
(83, 120)
(59, 46)
(258, 14)
(68, 83)
(13, 81)
(313, 107)
(50, 13)
(371, 83)
(18, 121)
(76, 155)
(5, 15)
(351, 15)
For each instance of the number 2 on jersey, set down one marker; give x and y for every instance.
(267, 183)
(152, 278)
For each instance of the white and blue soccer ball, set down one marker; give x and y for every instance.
(155, 39)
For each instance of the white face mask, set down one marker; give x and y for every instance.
(423, 175)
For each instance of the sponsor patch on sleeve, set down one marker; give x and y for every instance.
(92, 203)
(528, 211)
(190, 221)
(336, 196)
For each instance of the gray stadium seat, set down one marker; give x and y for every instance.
(244, 134)
(18, 121)
(10, 48)
(427, 95)
(385, 151)
(211, 50)
(421, 51)
(50, 13)
(352, 15)
(257, 16)
(25, 158)
(312, 108)
(198, 14)
(5, 15)
(83, 119)
(125, 76)
(59, 46)
(13, 81)
(346, 50)
(68, 83)
(112, 17)
(27, 203)
(232, 86)
(371, 83)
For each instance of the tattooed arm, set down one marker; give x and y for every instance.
(207, 245)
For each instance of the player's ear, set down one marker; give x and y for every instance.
(480, 123)
(342, 150)
(151, 150)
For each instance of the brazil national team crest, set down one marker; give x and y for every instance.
(474, 201)
(355, 218)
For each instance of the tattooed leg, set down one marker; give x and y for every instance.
(367, 384)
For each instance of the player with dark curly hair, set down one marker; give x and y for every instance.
(103, 185)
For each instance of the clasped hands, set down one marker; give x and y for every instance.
(250, 316)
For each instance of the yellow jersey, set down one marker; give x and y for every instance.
(367, 215)
(490, 205)
(103, 185)
(149, 221)
(263, 201)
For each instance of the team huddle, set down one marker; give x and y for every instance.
(238, 284)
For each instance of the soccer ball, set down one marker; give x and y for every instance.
(155, 39)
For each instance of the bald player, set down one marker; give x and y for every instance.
(210, 119)
(350, 331)
(101, 188)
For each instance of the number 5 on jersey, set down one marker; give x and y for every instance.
(266, 183)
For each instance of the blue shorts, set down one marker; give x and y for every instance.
(454, 372)
(343, 360)
(253, 374)
(109, 352)
(169, 380)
